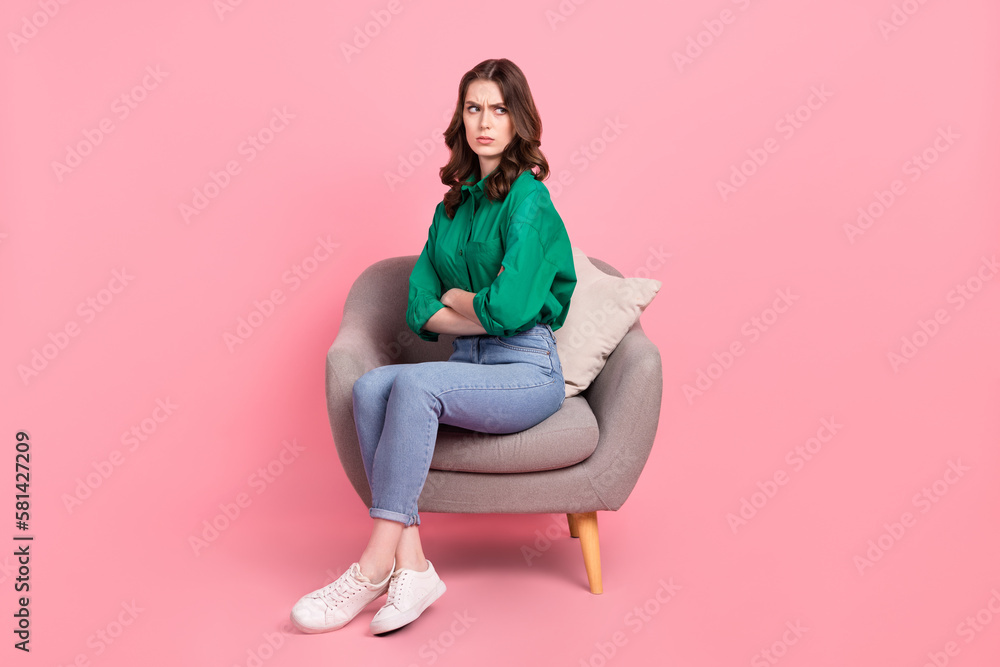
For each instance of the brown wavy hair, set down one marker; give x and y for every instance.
(521, 153)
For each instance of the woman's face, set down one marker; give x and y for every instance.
(485, 115)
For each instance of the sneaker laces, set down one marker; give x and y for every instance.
(395, 590)
(338, 591)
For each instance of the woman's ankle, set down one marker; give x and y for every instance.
(375, 571)
(417, 563)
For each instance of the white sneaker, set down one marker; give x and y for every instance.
(410, 592)
(334, 606)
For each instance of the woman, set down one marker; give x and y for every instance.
(497, 272)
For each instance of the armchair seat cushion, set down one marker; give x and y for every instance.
(563, 439)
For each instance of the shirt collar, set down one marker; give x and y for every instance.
(476, 190)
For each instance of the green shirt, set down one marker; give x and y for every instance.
(523, 233)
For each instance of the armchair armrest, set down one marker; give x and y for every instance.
(625, 397)
(351, 356)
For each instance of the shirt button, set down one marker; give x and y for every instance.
(459, 252)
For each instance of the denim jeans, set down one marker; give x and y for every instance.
(490, 384)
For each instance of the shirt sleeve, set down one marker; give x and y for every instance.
(515, 297)
(425, 289)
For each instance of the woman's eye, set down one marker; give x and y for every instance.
(474, 109)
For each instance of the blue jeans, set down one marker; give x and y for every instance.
(490, 384)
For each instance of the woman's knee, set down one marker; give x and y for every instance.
(416, 380)
(372, 383)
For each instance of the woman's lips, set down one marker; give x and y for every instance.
(484, 140)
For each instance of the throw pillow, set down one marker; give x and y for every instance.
(601, 311)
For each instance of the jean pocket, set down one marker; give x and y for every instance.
(525, 342)
(530, 349)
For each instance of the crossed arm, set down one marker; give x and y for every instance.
(458, 315)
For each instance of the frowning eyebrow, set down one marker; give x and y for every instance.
(498, 104)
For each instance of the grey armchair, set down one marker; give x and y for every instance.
(584, 458)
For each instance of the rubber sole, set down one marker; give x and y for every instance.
(386, 625)
(315, 631)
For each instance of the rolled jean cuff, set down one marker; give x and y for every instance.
(405, 519)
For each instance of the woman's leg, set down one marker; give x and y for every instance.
(389, 539)
(490, 385)
(370, 396)
(486, 385)
(377, 559)
(409, 552)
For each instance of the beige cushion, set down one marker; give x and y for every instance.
(601, 311)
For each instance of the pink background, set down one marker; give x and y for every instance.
(650, 188)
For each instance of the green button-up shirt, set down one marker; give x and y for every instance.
(524, 234)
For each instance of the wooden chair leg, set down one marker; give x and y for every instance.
(573, 530)
(585, 525)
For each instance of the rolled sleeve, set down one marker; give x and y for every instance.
(425, 292)
(516, 296)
